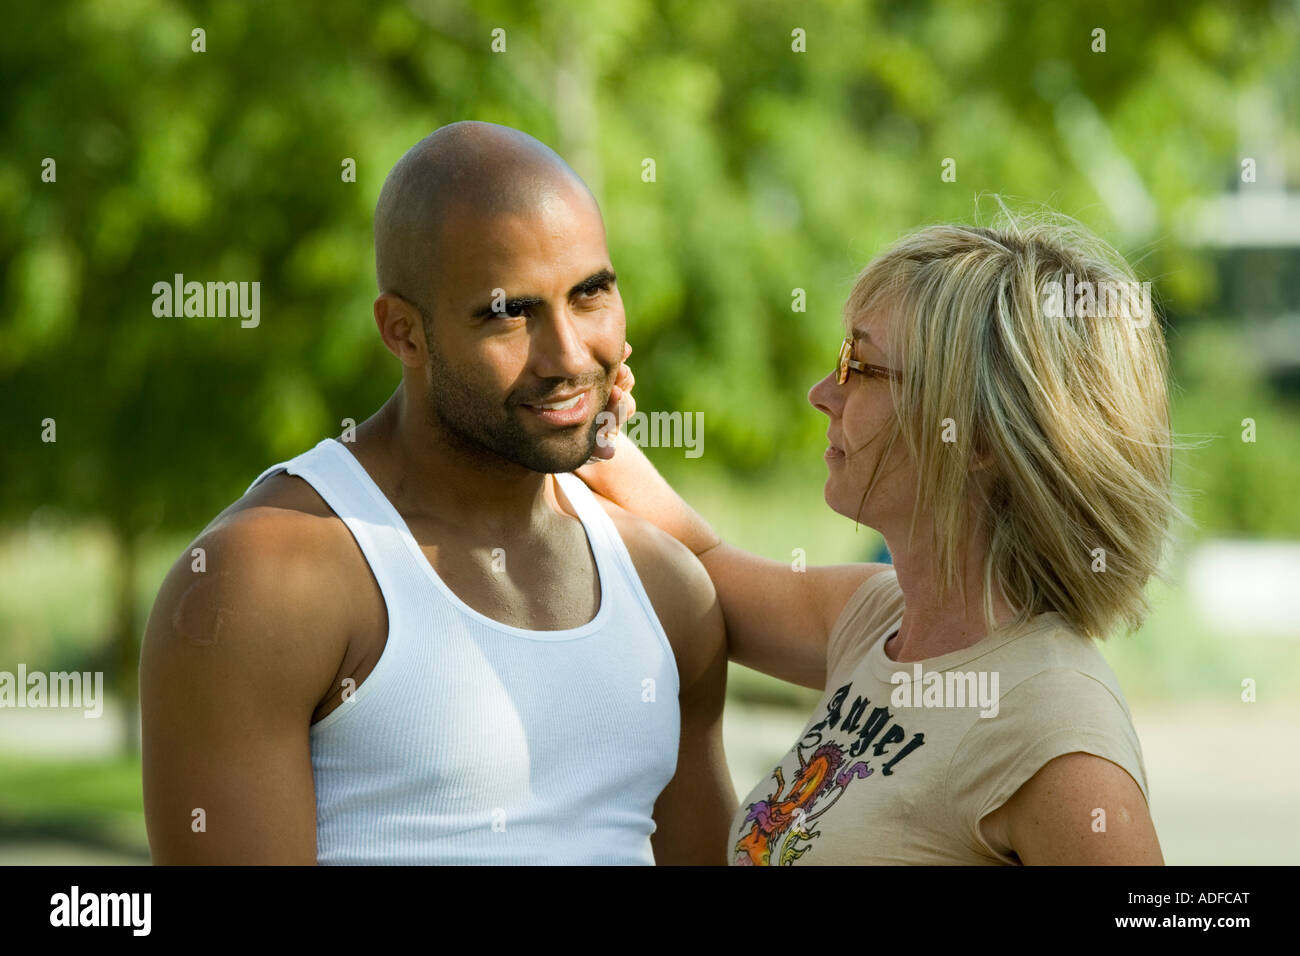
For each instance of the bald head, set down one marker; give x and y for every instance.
(468, 170)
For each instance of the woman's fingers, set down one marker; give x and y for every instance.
(609, 422)
(626, 403)
(620, 407)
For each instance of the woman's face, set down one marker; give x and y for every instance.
(861, 412)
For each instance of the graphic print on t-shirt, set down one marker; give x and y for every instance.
(784, 818)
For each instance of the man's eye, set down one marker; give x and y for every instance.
(595, 290)
(514, 310)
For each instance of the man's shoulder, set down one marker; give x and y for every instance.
(279, 497)
(659, 557)
(283, 523)
(678, 586)
(251, 625)
(278, 555)
(638, 533)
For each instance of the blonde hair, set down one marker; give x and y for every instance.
(1068, 414)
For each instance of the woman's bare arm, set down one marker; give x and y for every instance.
(778, 618)
(1050, 820)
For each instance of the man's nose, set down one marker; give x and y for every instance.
(559, 350)
(825, 396)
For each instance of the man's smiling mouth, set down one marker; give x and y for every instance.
(571, 410)
(568, 403)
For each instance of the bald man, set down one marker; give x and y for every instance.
(430, 643)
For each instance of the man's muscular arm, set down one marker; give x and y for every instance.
(693, 814)
(236, 658)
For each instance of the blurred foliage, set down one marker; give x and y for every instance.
(775, 170)
(1231, 485)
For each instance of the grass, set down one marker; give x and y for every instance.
(94, 802)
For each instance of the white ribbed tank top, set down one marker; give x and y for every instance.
(474, 742)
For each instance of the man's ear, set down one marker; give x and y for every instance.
(401, 326)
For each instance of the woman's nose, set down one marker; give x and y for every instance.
(824, 396)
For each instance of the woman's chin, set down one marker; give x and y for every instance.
(836, 500)
(847, 504)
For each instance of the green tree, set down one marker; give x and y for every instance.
(776, 169)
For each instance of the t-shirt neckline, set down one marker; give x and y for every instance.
(884, 667)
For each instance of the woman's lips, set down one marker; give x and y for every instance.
(575, 413)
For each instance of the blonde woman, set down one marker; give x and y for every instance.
(1009, 437)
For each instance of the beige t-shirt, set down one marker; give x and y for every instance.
(901, 769)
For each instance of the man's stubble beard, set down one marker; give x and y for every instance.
(483, 429)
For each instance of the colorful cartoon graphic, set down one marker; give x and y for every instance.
(788, 815)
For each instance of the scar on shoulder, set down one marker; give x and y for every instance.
(192, 620)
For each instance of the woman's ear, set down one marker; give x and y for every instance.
(981, 458)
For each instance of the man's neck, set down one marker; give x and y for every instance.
(428, 476)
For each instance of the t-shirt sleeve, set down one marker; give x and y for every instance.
(877, 602)
(1050, 714)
